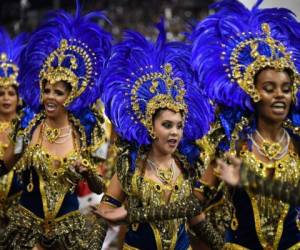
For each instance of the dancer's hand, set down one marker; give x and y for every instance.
(112, 215)
(230, 170)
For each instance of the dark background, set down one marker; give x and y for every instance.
(140, 15)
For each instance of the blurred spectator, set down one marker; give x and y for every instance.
(140, 15)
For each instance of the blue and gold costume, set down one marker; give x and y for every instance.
(71, 49)
(141, 78)
(143, 192)
(48, 207)
(10, 51)
(229, 48)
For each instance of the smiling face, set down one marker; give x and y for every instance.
(168, 129)
(8, 101)
(54, 97)
(275, 90)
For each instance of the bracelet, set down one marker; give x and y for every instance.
(208, 191)
(111, 201)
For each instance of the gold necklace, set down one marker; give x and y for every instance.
(165, 175)
(4, 126)
(53, 134)
(272, 150)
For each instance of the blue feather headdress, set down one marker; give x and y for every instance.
(10, 51)
(66, 48)
(142, 77)
(232, 45)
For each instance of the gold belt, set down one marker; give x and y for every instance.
(47, 224)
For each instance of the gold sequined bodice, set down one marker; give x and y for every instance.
(269, 214)
(51, 170)
(150, 193)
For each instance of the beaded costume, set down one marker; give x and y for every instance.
(280, 190)
(10, 51)
(141, 78)
(71, 49)
(229, 48)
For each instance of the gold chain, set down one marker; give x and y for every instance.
(165, 175)
(53, 134)
(4, 126)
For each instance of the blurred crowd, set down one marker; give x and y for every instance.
(24, 15)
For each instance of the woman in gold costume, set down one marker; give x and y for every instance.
(249, 62)
(10, 51)
(57, 147)
(150, 99)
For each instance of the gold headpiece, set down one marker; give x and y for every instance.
(8, 72)
(265, 52)
(156, 90)
(72, 62)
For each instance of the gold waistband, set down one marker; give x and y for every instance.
(47, 226)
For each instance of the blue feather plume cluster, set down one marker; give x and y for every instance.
(56, 26)
(216, 36)
(13, 49)
(135, 57)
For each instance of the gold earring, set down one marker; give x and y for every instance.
(41, 97)
(294, 93)
(20, 102)
(152, 135)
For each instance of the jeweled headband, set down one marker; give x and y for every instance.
(8, 72)
(263, 52)
(72, 62)
(10, 51)
(163, 92)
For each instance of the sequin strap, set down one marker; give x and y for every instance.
(205, 231)
(188, 207)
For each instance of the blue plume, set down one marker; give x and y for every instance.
(27, 116)
(88, 120)
(215, 37)
(134, 57)
(46, 38)
(13, 49)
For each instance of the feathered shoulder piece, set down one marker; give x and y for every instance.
(66, 48)
(10, 51)
(144, 76)
(232, 45)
